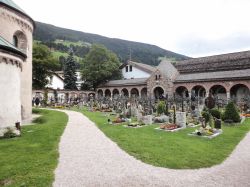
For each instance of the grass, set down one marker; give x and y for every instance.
(69, 43)
(57, 54)
(174, 150)
(31, 159)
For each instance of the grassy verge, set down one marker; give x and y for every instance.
(31, 159)
(172, 150)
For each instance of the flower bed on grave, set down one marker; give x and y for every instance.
(106, 110)
(135, 125)
(170, 127)
(246, 115)
(193, 125)
(119, 120)
(206, 132)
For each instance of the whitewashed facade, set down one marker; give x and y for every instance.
(131, 72)
(55, 82)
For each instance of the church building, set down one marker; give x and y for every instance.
(16, 29)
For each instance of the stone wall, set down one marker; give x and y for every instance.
(15, 22)
(10, 70)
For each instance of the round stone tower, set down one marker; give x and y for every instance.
(15, 64)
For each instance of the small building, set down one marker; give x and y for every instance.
(55, 82)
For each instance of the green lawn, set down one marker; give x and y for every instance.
(57, 54)
(69, 43)
(174, 150)
(31, 159)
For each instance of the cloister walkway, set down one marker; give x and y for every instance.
(88, 158)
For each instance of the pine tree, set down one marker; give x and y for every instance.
(70, 72)
(231, 113)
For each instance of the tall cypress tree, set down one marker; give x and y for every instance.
(70, 77)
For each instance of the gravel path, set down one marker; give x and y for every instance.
(89, 159)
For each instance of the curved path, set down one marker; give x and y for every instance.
(88, 158)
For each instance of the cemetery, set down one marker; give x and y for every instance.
(189, 114)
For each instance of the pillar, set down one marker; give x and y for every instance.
(228, 96)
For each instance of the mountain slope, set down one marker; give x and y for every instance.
(145, 53)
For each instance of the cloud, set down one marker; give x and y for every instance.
(196, 46)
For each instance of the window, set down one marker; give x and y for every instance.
(159, 77)
(156, 77)
(130, 68)
(126, 68)
(20, 41)
(15, 41)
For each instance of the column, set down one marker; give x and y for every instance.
(228, 96)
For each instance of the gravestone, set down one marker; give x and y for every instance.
(162, 119)
(147, 120)
(181, 119)
(210, 102)
(139, 116)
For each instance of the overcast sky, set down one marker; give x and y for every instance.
(190, 27)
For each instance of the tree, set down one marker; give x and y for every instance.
(69, 70)
(100, 65)
(231, 113)
(43, 65)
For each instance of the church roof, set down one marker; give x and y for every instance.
(126, 82)
(5, 45)
(167, 69)
(10, 4)
(144, 67)
(217, 75)
(230, 61)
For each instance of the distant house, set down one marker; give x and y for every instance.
(61, 76)
(56, 88)
(55, 82)
(134, 70)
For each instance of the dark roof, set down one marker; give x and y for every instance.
(230, 61)
(145, 67)
(126, 82)
(10, 4)
(211, 76)
(5, 45)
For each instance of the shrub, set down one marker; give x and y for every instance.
(205, 115)
(9, 134)
(215, 113)
(161, 107)
(231, 113)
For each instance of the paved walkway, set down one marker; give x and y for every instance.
(88, 158)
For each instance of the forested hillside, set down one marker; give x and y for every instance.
(60, 39)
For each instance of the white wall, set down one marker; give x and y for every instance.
(135, 73)
(10, 94)
(10, 22)
(56, 83)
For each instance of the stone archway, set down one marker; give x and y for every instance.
(99, 93)
(144, 93)
(83, 96)
(134, 92)
(198, 91)
(182, 91)
(218, 92)
(107, 93)
(158, 92)
(116, 93)
(125, 92)
(240, 92)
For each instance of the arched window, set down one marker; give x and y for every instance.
(15, 41)
(20, 41)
